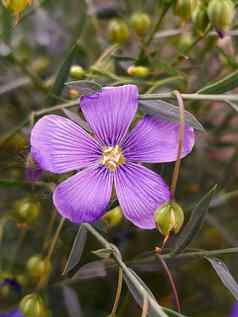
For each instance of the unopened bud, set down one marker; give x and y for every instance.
(138, 71)
(221, 14)
(184, 9)
(27, 210)
(140, 23)
(38, 267)
(118, 31)
(169, 217)
(16, 6)
(33, 305)
(77, 72)
(113, 217)
(200, 19)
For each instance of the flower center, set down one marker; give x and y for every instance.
(112, 157)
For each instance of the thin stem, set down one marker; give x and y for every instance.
(145, 307)
(55, 238)
(61, 106)
(49, 229)
(118, 293)
(180, 145)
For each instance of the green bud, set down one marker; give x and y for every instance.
(113, 217)
(169, 217)
(185, 42)
(200, 19)
(38, 267)
(17, 143)
(184, 9)
(221, 14)
(140, 23)
(138, 71)
(118, 31)
(77, 72)
(33, 305)
(27, 210)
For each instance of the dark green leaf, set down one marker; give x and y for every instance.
(195, 222)
(85, 87)
(62, 74)
(91, 270)
(77, 249)
(221, 86)
(77, 119)
(168, 111)
(225, 275)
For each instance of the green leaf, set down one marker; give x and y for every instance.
(77, 249)
(221, 86)
(62, 74)
(195, 222)
(77, 119)
(103, 253)
(168, 111)
(91, 270)
(224, 275)
(85, 87)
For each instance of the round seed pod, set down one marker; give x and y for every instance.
(113, 217)
(38, 267)
(138, 71)
(169, 217)
(221, 14)
(184, 9)
(118, 31)
(27, 210)
(200, 19)
(33, 305)
(140, 23)
(77, 72)
(5, 289)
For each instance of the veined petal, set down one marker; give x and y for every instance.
(140, 191)
(155, 140)
(110, 112)
(84, 197)
(59, 145)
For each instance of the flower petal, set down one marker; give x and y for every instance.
(59, 145)
(110, 112)
(155, 140)
(85, 196)
(140, 191)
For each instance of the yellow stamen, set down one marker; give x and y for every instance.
(112, 157)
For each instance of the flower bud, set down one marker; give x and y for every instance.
(73, 93)
(200, 19)
(185, 8)
(221, 14)
(16, 6)
(113, 217)
(140, 23)
(38, 268)
(77, 72)
(27, 210)
(33, 305)
(118, 31)
(138, 71)
(169, 217)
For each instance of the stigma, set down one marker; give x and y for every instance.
(112, 157)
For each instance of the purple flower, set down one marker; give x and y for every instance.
(112, 156)
(13, 313)
(234, 312)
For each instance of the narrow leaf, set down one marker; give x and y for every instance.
(77, 249)
(224, 275)
(77, 119)
(91, 270)
(195, 222)
(71, 302)
(62, 74)
(85, 87)
(221, 86)
(168, 111)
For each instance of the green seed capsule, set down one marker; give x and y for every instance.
(138, 71)
(77, 72)
(27, 211)
(184, 9)
(113, 217)
(221, 14)
(140, 23)
(33, 305)
(37, 267)
(200, 19)
(118, 31)
(169, 217)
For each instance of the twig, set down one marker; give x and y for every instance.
(118, 293)
(145, 307)
(55, 238)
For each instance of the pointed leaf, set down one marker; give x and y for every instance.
(77, 119)
(224, 275)
(221, 86)
(195, 222)
(71, 302)
(168, 111)
(77, 249)
(85, 87)
(91, 270)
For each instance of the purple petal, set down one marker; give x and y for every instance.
(85, 196)
(234, 311)
(110, 112)
(155, 140)
(59, 145)
(140, 191)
